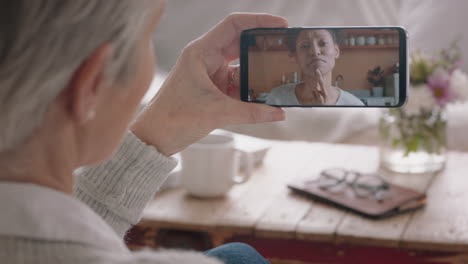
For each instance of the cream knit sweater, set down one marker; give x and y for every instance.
(42, 226)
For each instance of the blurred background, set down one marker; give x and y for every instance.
(431, 24)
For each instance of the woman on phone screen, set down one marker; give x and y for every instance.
(315, 51)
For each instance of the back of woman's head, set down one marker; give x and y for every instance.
(43, 42)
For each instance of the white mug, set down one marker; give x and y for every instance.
(210, 167)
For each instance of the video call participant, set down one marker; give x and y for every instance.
(315, 51)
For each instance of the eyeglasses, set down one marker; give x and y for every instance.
(363, 185)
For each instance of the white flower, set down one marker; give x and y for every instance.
(459, 85)
(419, 97)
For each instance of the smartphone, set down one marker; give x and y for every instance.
(325, 66)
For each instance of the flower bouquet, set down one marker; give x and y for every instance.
(414, 137)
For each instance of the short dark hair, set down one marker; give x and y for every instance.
(292, 34)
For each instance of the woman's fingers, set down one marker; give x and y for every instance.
(321, 85)
(225, 36)
(321, 98)
(234, 75)
(222, 43)
(317, 95)
(227, 80)
(233, 89)
(236, 112)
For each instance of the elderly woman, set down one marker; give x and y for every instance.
(315, 51)
(72, 74)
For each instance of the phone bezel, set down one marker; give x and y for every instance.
(403, 54)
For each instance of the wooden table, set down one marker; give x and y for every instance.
(287, 228)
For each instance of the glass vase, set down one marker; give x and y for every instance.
(413, 142)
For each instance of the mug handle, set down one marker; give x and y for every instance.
(249, 166)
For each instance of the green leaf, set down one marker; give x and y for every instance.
(412, 145)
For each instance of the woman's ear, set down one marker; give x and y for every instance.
(338, 52)
(88, 84)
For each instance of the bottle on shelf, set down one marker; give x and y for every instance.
(352, 41)
(381, 40)
(283, 79)
(389, 40)
(361, 41)
(346, 42)
(295, 77)
(371, 41)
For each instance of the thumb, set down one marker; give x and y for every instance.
(251, 113)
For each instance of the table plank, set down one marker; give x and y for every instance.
(443, 224)
(285, 161)
(282, 215)
(356, 229)
(174, 208)
(265, 207)
(285, 214)
(322, 222)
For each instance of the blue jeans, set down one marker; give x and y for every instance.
(237, 253)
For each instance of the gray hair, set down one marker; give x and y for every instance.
(43, 42)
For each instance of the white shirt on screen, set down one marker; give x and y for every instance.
(286, 95)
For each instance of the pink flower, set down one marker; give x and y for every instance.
(439, 84)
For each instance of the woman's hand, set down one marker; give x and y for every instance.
(322, 91)
(319, 92)
(315, 87)
(197, 96)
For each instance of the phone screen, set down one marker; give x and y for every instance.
(339, 67)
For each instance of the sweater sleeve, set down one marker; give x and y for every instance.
(119, 189)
